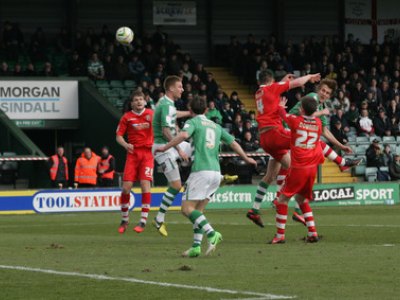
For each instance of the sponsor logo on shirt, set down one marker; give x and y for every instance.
(141, 126)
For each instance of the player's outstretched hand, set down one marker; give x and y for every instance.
(251, 161)
(315, 77)
(347, 149)
(183, 155)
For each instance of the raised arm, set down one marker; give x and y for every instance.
(304, 79)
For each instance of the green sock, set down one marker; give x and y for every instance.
(199, 220)
(260, 193)
(197, 236)
(166, 202)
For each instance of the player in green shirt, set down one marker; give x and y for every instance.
(165, 128)
(205, 175)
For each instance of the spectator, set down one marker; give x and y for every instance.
(375, 155)
(263, 67)
(382, 124)
(220, 99)
(339, 133)
(394, 167)
(387, 154)
(358, 93)
(136, 67)
(248, 143)
(212, 86)
(352, 115)
(173, 65)
(95, 68)
(372, 101)
(213, 113)
(4, 71)
(248, 127)
(159, 37)
(58, 168)
(30, 70)
(186, 71)
(228, 115)
(365, 124)
(76, 66)
(394, 126)
(86, 169)
(195, 82)
(199, 70)
(149, 57)
(393, 110)
(18, 70)
(340, 117)
(121, 69)
(109, 70)
(341, 101)
(106, 168)
(159, 72)
(252, 119)
(48, 70)
(237, 128)
(235, 101)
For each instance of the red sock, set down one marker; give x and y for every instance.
(309, 217)
(280, 180)
(125, 206)
(332, 155)
(281, 217)
(146, 200)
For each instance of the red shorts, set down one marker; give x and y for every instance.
(300, 181)
(276, 142)
(139, 165)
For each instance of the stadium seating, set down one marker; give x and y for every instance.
(370, 174)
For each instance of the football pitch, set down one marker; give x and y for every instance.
(82, 256)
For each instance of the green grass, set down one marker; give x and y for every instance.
(351, 262)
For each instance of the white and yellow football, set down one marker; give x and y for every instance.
(124, 35)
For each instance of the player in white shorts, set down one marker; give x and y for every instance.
(205, 174)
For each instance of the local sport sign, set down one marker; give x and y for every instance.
(78, 201)
(174, 12)
(324, 195)
(39, 100)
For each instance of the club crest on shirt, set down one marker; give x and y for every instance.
(148, 118)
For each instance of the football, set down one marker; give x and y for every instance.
(124, 35)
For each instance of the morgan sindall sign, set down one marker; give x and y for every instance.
(39, 100)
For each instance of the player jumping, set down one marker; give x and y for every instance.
(137, 124)
(306, 154)
(275, 140)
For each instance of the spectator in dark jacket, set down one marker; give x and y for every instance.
(374, 155)
(76, 66)
(249, 144)
(338, 132)
(394, 167)
(340, 117)
(382, 124)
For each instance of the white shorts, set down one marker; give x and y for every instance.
(201, 185)
(167, 160)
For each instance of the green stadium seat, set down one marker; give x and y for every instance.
(362, 140)
(125, 93)
(398, 139)
(361, 149)
(102, 84)
(113, 100)
(130, 84)
(113, 93)
(351, 138)
(116, 84)
(103, 91)
(359, 170)
(370, 174)
(388, 139)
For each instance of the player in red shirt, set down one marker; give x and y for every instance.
(306, 154)
(274, 138)
(137, 124)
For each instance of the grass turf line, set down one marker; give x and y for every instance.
(350, 262)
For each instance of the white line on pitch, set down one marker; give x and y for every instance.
(135, 280)
(214, 223)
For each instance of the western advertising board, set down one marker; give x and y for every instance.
(24, 100)
(324, 195)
